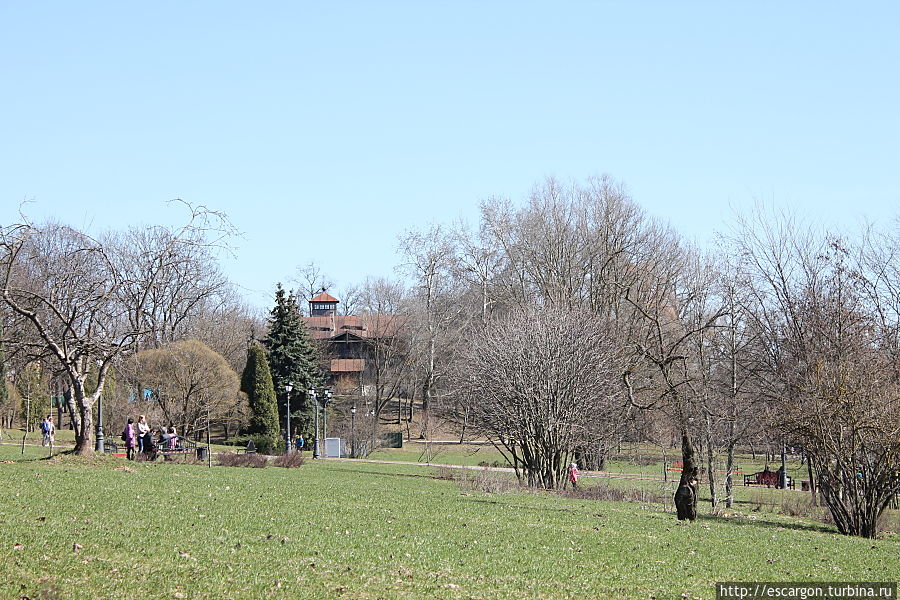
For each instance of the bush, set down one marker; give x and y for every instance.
(232, 459)
(485, 480)
(602, 491)
(292, 460)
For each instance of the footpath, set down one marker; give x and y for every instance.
(595, 474)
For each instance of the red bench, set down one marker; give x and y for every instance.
(769, 479)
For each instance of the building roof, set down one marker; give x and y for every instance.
(363, 326)
(324, 297)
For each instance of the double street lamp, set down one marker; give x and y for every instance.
(312, 396)
(326, 396)
(287, 418)
(353, 431)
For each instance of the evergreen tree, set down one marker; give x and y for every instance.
(256, 382)
(293, 359)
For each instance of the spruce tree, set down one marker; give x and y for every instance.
(293, 359)
(256, 382)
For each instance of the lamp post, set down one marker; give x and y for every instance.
(287, 418)
(312, 395)
(101, 441)
(326, 397)
(353, 431)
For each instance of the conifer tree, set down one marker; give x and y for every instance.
(293, 359)
(256, 382)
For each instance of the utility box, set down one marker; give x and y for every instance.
(392, 440)
(335, 448)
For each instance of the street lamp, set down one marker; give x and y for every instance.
(353, 431)
(100, 445)
(326, 397)
(312, 395)
(101, 441)
(287, 418)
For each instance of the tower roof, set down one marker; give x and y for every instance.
(324, 297)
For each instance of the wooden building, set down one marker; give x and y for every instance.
(348, 341)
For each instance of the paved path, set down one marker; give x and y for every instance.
(597, 474)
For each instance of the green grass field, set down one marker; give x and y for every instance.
(360, 530)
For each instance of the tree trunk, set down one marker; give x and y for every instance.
(74, 415)
(710, 468)
(812, 481)
(84, 437)
(686, 494)
(729, 476)
(84, 434)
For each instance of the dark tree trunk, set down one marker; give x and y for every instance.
(710, 467)
(686, 494)
(83, 435)
(729, 476)
(812, 481)
(74, 418)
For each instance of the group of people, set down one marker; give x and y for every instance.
(48, 431)
(138, 437)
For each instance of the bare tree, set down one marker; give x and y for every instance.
(739, 368)
(388, 360)
(824, 306)
(312, 281)
(430, 257)
(666, 370)
(225, 323)
(477, 263)
(541, 382)
(350, 298)
(85, 298)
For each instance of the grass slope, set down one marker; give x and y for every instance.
(353, 530)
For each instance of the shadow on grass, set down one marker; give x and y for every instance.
(767, 524)
(382, 474)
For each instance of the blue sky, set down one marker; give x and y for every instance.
(326, 129)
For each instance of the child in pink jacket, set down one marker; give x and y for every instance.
(573, 475)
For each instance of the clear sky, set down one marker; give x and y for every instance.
(326, 129)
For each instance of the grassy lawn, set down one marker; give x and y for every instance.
(356, 530)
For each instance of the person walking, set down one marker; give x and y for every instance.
(129, 436)
(573, 475)
(143, 429)
(48, 431)
(299, 442)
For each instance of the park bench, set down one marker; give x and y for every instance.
(768, 478)
(112, 447)
(163, 448)
(180, 445)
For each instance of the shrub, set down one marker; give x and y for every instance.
(602, 491)
(483, 480)
(291, 460)
(492, 482)
(232, 459)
